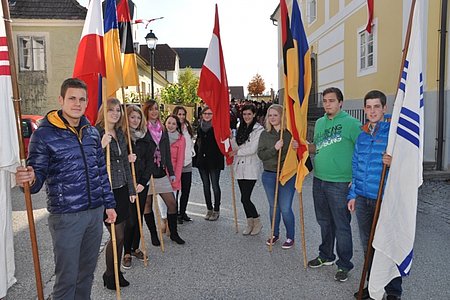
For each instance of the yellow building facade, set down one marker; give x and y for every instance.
(346, 56)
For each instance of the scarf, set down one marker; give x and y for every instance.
(244, 131)
(136, 134)
(173, 136)
(156, 133)
(205, 125)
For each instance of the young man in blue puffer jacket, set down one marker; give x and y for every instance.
(66, 153)
(367, 164)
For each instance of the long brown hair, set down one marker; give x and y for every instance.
(188, 124)
(147, 106)
(142, 126)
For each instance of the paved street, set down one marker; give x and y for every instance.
(217, 263)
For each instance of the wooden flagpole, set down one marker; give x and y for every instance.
(113, 225)
(370, 250)
(156, 212)
(133, 173)
(18, 117)
(302, 228)
(277, 183)
(234, 199)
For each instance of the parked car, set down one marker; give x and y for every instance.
(29, 124)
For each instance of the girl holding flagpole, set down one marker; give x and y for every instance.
(162, 170)
(209, 161)
(268, 147)
(140, 143)
(121, 182)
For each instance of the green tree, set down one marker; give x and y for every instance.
(256, 86)
(183, 92)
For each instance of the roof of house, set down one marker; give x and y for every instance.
(191, 57)
(164, 56)
(47, 9)
(237, 92)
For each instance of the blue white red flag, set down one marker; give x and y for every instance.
(395, 231)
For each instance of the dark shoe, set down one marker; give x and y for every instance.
(108, 281)
(126, 261)
(393, 297)
(288, 244)
(365, 294)
(341, 275)
(208, 214)
(318, 262)
(150, 221)
(273, 240)
(122, 281)
(172, 221)
(186, 218)
(138, 254)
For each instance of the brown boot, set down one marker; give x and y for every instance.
(257, 226)
(163, 225)
(249, 228)
(208, 214)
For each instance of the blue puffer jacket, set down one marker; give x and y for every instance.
(367, 161)
(71, 164)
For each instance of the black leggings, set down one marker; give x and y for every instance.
(120, 230)
(246, 187)
(186, 181)
(132, 234)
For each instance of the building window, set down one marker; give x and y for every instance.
(367, 51)
(31, 53)
(311, 10)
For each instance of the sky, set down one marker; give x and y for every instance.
(249, 38)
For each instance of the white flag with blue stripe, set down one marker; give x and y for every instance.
(396, 228)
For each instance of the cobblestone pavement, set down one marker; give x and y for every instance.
(217, 263)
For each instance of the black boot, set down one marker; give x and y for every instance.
(172, 219)
(108, 281)
(150, 220)
(122, 281)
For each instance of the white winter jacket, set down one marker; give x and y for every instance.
(246, 163)
(189, 149)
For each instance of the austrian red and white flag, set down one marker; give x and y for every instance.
(9, 161)
(213, 89)
(90, 60)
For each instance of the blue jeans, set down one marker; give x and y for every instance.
(333, 216)
(365, 210)
(76, 241)
(211, 177)
(284, 203)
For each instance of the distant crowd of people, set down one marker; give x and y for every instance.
(71, 157)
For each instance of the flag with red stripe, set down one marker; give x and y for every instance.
(90, 62)
(213, 89)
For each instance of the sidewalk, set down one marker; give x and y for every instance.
(217, 263)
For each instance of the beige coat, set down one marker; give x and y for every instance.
(246, 163)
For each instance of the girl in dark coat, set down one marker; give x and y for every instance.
(209, 161)
(162, 171)
(121, 182)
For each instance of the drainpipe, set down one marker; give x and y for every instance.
(441, 89)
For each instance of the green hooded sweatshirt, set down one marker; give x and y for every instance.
(335, 140)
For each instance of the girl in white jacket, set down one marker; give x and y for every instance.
(247, 166)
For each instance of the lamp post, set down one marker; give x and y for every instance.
(151, 41)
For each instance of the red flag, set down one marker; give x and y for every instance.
(90, 62)
(369, 15)
(213, 89)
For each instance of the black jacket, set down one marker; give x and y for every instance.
(164, 148)
(207, 153)
(144, 159)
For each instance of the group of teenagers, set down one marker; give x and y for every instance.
(68, 154)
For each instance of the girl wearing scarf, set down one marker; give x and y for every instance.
(247, 166)
(162, 170)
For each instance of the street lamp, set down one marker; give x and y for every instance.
(151, 41)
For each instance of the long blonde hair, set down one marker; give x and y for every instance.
(279, 108)
(134, 108)
(110, 103)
